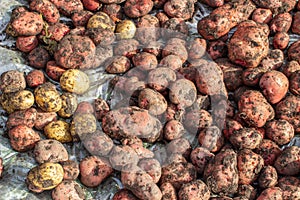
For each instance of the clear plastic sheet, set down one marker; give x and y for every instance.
(17, 165)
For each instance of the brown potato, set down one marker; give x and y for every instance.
(27, 43)
(69, 105)
(38, 58)
(173, 130)
(268, 177)
(246, 191)
(295, 82)
(152, 101)
(294, 51)
(290, 187)
(23, 117)
(50, 151)
(194, 190)
(137, 8)
(168, 191)
(249, 138)
(288, 161)
(262, 15)
(200, 157)
(280, 131)
(94, 170)
(117, 64)
(269, 150)
(71, 169)
(68, 189)
(35, 78)
(12, 81)
(179, 9)
(121, 156)
(47, 9)
(281, 40)
(296, 21)
(281, 23)
(114, 11)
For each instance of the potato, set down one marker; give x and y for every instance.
(251, 76)
(145, 61)
(281, 23)
(200, 157)
(268, 177)
(91, 5)
(100, 36)
(248, 138)
(152, 101)
(21, 100)
(81, 18)
(288, 161)
(124, 194)
(137, 145)
(68, 7)
(47, 97)
(290, 187)
(23, 138)
(147, 29)
(98, 143)
(194, 190)
(269, 150)
(101, 108)
(44, 177)
(280, 131)
(274, 60)
(35, 78)
(179, 9)
(71, 169)
(281, 40)
(278, 7)
(112, 1)
(120, 156)
(295, 82)
(114, 11)
(217, 49)
(290, 67)
(56, 31)
(152, 167)
(75, 51)
(26, 43)
(274, 86)
(173, 130)
(180, 146)
(47, 9)
(24, 117)
(175, 46)
(58, 130)
(94, 170)
(74, 81)
(12, 81)
(101, 19)
(128, 48)
(196, 120)
(38, 57)
(183, 92)
(174, 28)
(82, 125)
(117, 65)
(221, 174)
(160, 78)
(137, 8)
(262, 15)
(153, 47)
(294, 52)
(168, 191)
(271, 193)
(246, 191)
(125, 29)
(50, 151)
(69, 105)
(68, 189)
(54, 71)
(44, 118)
(211, 138)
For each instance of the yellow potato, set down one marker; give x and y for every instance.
(126, 29)
(82, 125)
(101, 20)
(69, 105)
(74, 81)
(58, 130)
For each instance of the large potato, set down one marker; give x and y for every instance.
(74, 81)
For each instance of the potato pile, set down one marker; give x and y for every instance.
(222, 105)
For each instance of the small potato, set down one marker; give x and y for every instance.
(262, 15)
(23, 138)
(120, 156)
(290, 187)
(296, 21)
(71, 169)
(269, 150)
(124, 194)
(44, 118)
(197, 120)
(117, 65)
(101, 19)
(94, 170)
(230, 126)
(152, 167)
(294, 51)
(173, 130)
(194, 190)
(50, 151)
(280, 131)
(82, 125)
(101, 108)
(211, 138)
(268, 177)
(160, 78)
(281, 40)
(23, 117)
(200, 157)
(12, 81)
(270, 194)
(152, 101)
(248, 138)
(44, 177)
(47, 97)
(175, 28)
(251, 76)
(92, 5)
(69, 105)
(168, 191)
(183, 92)
(145, 61)
(137, 8)
(68, 189)
(81, 18)
(288, 161)
(171, 61)
(217, 49)
(54, 71)
(35, 78)
(180, 9)
(197, 48)
(84, 107)
(281, 23)
(246, 191)
(125, 29)
(58, 130)
(180, 146)
(38, 57)
(74, 81)
(176, 46)
(127, 48)
(47, 9)
(274, 86)
(27, 43)
(295, 82)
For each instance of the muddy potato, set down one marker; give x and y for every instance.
(100, 36)
(160, 78)
(21, 100)
(74, 81)
(101, 108)
(176, 46)
(271, 193)
(295, 82)
(124, 194)
(81, 18)
(23, 117)
(47, 9)
(68, 7)
(23, 138)
(294, 51)
(152, 101)
(194, 190)
(137, 8)
(38, 57)
(217, 49)
(248, 138)
(50, 151)
(290, 67)
(173, 130)
(82, 125)
(128, 48)
(69, 105)
(180, 146)
(145, 61)
(288, 161)
(281, 23)
(71, 169)
(26, 43)
(268, 177)
(262, 15)
(211, 138)
(269, 150)
(44, 177)
(168, 191)
(121, 156)
(101, 19)
(152, 167)
(197, 48)
(44, 118)
(47, 97)
(117, 65)
(94, 170)
(290, 187)
(12, 81)
(58, 130)
(114, 11)
(54, 71)
(251, 76)
(35, 78)
(200, 157)
(174, 28)
(55, 32)
(68, 189)
(91, 5)
(246, 191)
(125, 29)
(196, 120)
(183, 92)
(274, 86)
(180, 9)
(280, 131)
(281, 40)
(147, 29)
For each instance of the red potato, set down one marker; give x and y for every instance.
(26, 43)
(54, 71)
(154, 47)
(145, 61)
(56, 31)
(81, 18)
(175, 46)
(270, 194)
(230, 127)
(274, 60)
(175, 28)
(295, 82)
(211, 138)
(294, 51)
(262, 15)
(68, 7)
(84, 107)
(43, 119)
(269, 150)
(244, 138)
(137, 8)
(194, 190)
(288, 161)
(160, 78)
(71, 169)
(114, 11)
(281, 23)
(121, 156)
(127, 48)
(147, 29)
(183, 92)
(274, 86)
(111, 1)
(246, 191)
(179, 9)
(280, 131)
(171, 61)
(168, 191)
(23, 138)
(68, 189)
(35, 78)
(173, 130)
(12, 81)
(38, 57)
(159, 3)
(124, 194)
(94, 170)
(281, 40)
(268, 177)
(47, 9)
(197, 120)
(101, 107)
(91, 5)
(23, 117)
(251, 76)
(279, 6)
(101, 36)
(173, 112)
(152, 167)
(197, 48)
(224, 18)
(290, 68)
(162, 17)
(214, 3)
(200, 157)
(217, 49)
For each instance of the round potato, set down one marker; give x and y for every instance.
(194, 190)
(268, 177)
(82, 125)
(50, 151)
(58, 130)
(183, 92)
(44, 177)
(125, 29)
(160, 78)
(211, 138)
(69, 105)
(117, 64)
(288, 161)
(27, 43)
(74, 81)
(249, 138)
(152, 167)
(101, 19)
(68, 189)
(173, 130)
(71, 169)
(197, 120)
(280, 131)
(121, 156)
(137, 8)
(35, 78)
(152, 101)
(12, 81)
